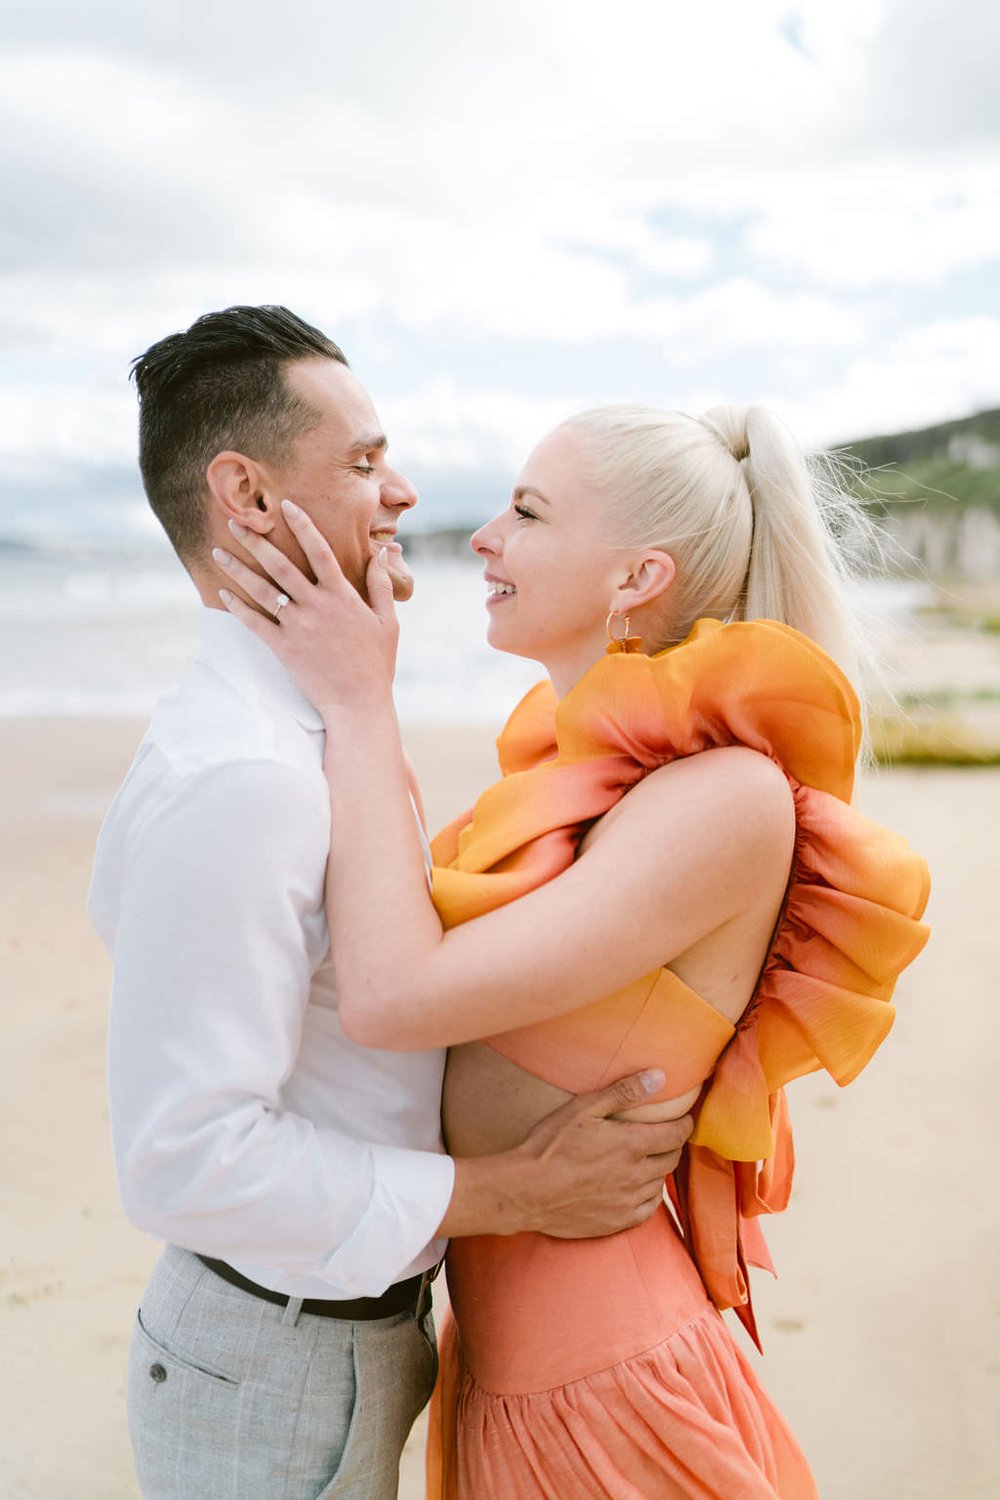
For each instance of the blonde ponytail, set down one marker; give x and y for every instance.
(756, 532)
(806, 533)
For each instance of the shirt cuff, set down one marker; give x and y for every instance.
(395, 1237)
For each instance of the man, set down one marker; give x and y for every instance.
(284, 1345)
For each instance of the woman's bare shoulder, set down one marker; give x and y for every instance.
(731, 791)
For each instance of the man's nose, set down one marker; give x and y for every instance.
(398, 492)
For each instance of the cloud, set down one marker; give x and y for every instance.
(879, 222)
(182, 138)
(938, 370)
(69, 428)
(101, 177)
(482, 200)
(934, 372)
(927, 77)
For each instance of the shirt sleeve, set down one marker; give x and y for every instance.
(222, 887)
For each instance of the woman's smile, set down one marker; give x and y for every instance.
(497, 590)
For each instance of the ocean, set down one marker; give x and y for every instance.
(102, 633)
(98, 618)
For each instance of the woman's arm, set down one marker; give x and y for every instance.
(689, 850)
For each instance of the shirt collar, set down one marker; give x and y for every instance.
(240, 658)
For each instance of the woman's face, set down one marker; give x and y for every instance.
(551, 572)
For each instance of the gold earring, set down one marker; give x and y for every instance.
(621, 644)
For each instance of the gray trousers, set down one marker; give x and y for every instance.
(234, 1398)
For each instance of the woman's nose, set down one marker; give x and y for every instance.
(486, 541)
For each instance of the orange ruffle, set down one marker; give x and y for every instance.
(849, 925)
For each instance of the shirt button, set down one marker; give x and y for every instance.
(157, 1373)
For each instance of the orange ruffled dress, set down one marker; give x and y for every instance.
(603, 1367)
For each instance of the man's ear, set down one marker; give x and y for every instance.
(652, 574)
(237, 486)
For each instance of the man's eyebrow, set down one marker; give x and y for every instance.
(378, 443)
(526, 489)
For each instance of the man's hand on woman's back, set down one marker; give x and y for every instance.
(578, 1174)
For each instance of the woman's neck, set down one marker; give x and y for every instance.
(565, 676)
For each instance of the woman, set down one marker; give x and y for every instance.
(730, 920)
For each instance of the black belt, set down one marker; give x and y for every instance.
(402, 1296)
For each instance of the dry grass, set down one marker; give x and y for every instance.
(898, 740)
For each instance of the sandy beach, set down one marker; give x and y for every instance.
(879, 1333)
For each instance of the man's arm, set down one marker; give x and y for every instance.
(219, 930)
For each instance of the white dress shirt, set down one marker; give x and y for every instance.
(245, 1124)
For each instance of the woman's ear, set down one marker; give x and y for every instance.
(236, 485)
(651, 576)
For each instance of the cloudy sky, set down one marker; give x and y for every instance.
(503, 211)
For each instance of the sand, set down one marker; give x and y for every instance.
(878, 1334)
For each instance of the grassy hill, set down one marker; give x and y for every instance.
(953, 462)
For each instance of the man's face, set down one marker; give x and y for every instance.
(340, 476)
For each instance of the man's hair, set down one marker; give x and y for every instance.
(219, 385)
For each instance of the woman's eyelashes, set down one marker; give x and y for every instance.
(524, 514)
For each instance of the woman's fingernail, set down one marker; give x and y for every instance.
(238, 530)
(226, 597)
(652, 1080)
(290, 508)
(222, 558)
(383, 553)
